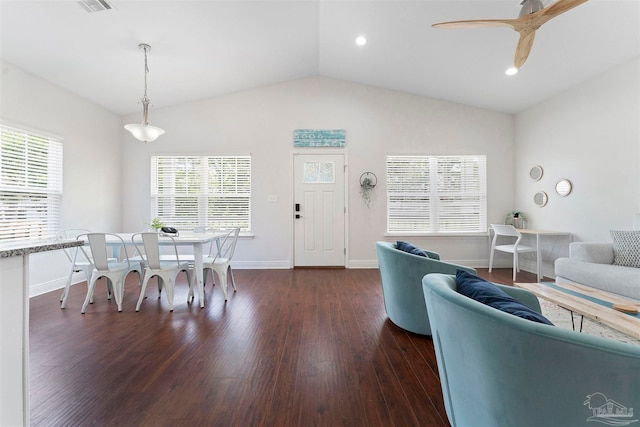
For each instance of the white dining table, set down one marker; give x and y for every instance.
(194, 240)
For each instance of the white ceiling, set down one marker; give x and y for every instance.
(202, 49)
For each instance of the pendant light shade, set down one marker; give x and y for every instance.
(144, 132)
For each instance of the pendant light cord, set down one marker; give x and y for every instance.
(144, 132)
(146, 71)
(145, 100)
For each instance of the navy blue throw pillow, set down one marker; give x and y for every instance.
(408, 247)
(489, 294)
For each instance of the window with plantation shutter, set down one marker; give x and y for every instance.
(30, 185)
(436, 194)
(211, 191)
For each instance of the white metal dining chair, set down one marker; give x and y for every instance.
(148, 246)
(113, 270)
(77, 258)
(81, 261)
(221, 261)
(508, 231)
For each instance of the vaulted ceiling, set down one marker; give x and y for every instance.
(203, 49)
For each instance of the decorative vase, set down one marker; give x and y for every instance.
(519, 223)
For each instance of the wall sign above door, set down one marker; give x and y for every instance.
(318, 137)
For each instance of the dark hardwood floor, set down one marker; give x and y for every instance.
(304, 347)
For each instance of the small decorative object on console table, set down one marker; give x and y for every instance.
(517, 219)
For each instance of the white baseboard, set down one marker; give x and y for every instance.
(363, 263)
(261, 265)
(525, 265)
(51, 285)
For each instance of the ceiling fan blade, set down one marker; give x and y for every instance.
(524, 47)
(477, 23)
(526, 25)
(559, 7)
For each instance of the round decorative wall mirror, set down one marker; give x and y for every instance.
(540, 198)
(536, 173)
(563, 187)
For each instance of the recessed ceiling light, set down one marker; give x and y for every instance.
(361, 40)
(511, 71)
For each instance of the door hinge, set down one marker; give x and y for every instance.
(345, 251)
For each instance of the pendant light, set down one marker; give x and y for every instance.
(144, 132)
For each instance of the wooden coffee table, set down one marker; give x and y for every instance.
(589, 302)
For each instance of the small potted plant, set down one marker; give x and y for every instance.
(156, 224)
(368, 181)
(516, 218)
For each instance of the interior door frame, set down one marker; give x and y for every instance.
(319, 152)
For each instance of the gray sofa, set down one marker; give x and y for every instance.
(591, 264)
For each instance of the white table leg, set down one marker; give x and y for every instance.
(538, 263)
(197, 267)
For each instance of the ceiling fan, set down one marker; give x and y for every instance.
(532, 15)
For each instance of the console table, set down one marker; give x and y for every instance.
(14, 326)
(538, 234)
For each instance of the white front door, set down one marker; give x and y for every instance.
(319, 210)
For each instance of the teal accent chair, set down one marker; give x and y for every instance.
(497, 369)
(401, 275)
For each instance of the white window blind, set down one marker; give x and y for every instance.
(30, 185)
(211, 191)
(436, 194)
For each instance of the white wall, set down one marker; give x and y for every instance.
(92, 144)
(377, 122)
(591, 136)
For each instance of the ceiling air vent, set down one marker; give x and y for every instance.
(95, 5)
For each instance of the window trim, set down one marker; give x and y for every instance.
(432, 215)
(200, 194)
(48, 215)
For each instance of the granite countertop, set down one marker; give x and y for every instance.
(26, 247)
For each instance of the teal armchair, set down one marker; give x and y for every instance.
(497, 369)
(401, 276)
